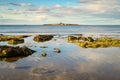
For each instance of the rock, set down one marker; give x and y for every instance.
(94, 43)
(43, 47)
(4, 52)
(79, 38)
(42, 38)
(103, 46)
(84, 38)
(11, 37)
(8, 51)
(56, 50)
(26, 50)
(70, 38)
(44, 54)
(90, 39)
(16, 41)
(83, 44)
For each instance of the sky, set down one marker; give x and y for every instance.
(37, 12)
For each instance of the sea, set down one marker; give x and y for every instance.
(39, 29)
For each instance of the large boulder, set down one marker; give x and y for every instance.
(8, 51)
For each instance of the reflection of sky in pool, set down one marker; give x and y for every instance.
(73, 63)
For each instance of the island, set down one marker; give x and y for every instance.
(60, 24)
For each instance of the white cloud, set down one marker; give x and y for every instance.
(101, 5)
(25, 4)
(20, 4)
(40, 17)
(58, 6)
(17, 11)
(95, 8)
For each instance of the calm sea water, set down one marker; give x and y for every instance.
(30, 29)
(73, 63)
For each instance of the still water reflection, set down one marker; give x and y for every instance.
(73, 63)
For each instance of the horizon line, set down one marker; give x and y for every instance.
(59, 25)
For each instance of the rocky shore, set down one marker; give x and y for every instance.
(17, 51)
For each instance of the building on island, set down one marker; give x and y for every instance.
(61, 24)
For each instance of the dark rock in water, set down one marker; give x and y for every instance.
(56, 50)
(8, 51)
(90, 39)
(43, 47)
(16, 41)
(42, 38)
(44, 54)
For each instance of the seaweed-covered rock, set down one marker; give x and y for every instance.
(83, 44)
(11, 37)
(5, 38)
(90, 39)
(8, 51)
(95, 43)
(42, 38)
(16, 41)
(70, 38)
(83, 38)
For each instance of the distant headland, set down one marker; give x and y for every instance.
(60, 24)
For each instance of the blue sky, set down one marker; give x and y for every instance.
(35, 12)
